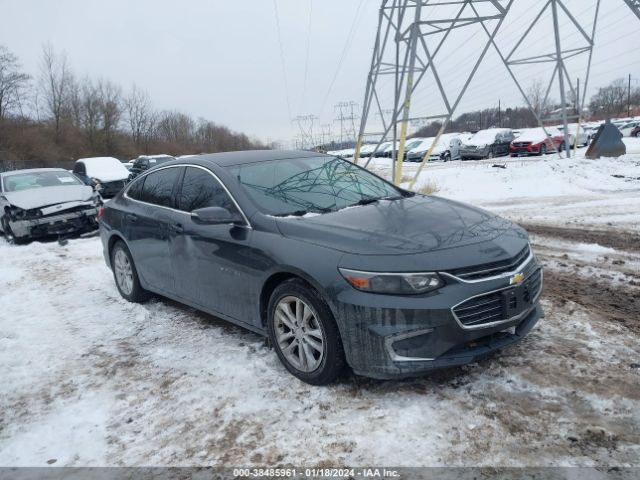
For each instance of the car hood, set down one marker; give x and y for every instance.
(410, 226)
(43, 197)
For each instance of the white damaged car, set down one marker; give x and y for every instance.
(45, 202)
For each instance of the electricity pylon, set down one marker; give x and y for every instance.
(411, 34)
(635, 6)
(556, 54)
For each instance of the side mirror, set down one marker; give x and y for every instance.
(215, 216)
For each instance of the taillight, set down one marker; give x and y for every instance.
(101, 212)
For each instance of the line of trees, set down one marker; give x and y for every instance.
(56, 117)
(611, 101)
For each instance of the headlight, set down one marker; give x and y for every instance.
(392, 283)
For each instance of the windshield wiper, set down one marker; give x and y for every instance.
(367, 201)
(302, 213)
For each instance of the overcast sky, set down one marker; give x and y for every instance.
(220, 59)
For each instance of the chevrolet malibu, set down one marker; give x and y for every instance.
(335, 265)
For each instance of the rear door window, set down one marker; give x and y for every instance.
(158, 187)
(200, 189)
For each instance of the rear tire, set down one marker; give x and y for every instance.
(126, 275)
(304, 333)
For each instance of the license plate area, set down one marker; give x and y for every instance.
(517, 300)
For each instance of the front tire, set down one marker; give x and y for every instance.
(126, 275)
(6, 229)
(304, 333)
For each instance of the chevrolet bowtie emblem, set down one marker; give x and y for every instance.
(517, 279)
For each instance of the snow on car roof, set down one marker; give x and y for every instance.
(489, 135)
(105, 168)
(537, 134)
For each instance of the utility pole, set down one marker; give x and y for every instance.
(499, 113)
(561, 74)
(629, 98)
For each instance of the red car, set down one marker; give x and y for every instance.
(636, 132)
(535, 141)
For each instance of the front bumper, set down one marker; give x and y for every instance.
(423, 334)
(62, 224)
(525, 151)
(474, 153)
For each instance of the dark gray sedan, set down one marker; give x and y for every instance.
(334, 264)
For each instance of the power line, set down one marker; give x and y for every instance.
(306, 63)
(343, 55)
(282, 59)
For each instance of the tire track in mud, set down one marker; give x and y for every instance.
(614, 302)
(620, 305)
(617, 239)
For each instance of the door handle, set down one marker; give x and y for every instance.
(177, 228)
(131, 217)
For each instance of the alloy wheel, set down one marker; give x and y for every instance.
(124, 272)
(299, 335)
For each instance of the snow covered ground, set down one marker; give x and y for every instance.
(89, 379)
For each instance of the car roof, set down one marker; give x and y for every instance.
(229, 159)
(98, 160)
(32, 170)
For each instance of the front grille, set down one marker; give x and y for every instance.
(492, 269)
(500, 306)
(479, 310)
(521, 144)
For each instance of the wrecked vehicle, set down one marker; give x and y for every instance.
(107, 175)
(45, 202)
(334, 264)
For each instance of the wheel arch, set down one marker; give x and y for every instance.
(279, 277)
(113, 239)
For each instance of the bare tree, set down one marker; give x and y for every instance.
(90, 108)
(175, 128)
(13, 82)
(110, 106)
(537, 95)
(55, 82)
(140, 115)
(610, 100)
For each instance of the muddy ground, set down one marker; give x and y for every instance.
(91, 380)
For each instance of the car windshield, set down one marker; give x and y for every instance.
(311, 185)
(32, 180)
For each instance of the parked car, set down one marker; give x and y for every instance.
(448, 148)
(365, 274)
(42, 202)
(417, 152)
(490, 143)
(584, 137)
(382, 150)
(628, 128)
(128, 165)
(635, 132)
(367, 150)
(535, 141)
(107, 175)
(145, 162)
